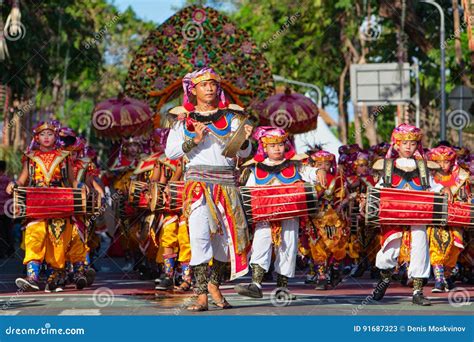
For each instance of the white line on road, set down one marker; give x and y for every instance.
(9, 312)
(80, 312)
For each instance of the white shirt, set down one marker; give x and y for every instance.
(207, 152)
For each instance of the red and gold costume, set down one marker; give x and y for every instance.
(329, 234)
(171, 232)
(276, 236)
(410, 171)
(45, 240)
(446, 243)
(84, 171)
(122, 168)
(364, 243)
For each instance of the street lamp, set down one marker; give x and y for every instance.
(443, 68)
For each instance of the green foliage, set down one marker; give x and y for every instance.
(74, 54)
(13, 160)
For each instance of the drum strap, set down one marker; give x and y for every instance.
(31, 172)
(423, 170)
(65, 173)
(387, 173)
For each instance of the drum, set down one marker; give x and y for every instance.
(461, 214)
(279, 202)
(354, 213)
(93, 203)
(405, 207)
(143, 195)
(137, 194)
(52, 202)
(174, 200)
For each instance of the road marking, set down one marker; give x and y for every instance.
(9, 312)
(80, 312)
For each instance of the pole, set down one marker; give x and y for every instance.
(443, 68)
(417, 95)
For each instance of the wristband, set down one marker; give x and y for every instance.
(188, 145)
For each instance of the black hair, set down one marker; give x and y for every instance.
(443, 143)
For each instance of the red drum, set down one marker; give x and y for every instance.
(461, 214)
(52, 202)
(137, 194)
(175, 198)
(405, 207)
(279, 202)
(143, 195)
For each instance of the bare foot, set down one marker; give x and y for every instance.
(201, 304)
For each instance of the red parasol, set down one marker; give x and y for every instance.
(122, 117)
(295, 113)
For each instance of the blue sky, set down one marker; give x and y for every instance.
(154, 10)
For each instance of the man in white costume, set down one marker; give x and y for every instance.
(212, 207)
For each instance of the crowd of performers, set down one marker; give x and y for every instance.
(192, 212)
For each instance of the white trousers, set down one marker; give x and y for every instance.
(285, 254)
(419, 256)
(203, 246)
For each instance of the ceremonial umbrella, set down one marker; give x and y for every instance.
(122, 117)
(295, 112)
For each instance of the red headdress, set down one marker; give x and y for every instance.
(321, 156)
(406, 132)
(270, 135)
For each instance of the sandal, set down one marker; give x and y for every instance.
(184, 287)
(223, 304)
(197, 308)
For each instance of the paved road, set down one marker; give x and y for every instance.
(120, 293)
